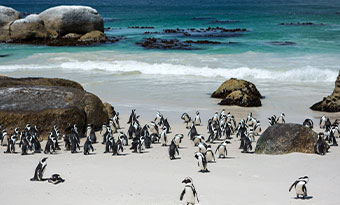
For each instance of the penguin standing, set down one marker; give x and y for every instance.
(198, 139)
(91, 134)
(116, 120)
(300, 187)
(202, 162)
(173, 150)
(192, 132)
(322, 121)
(11, 142)
(163, 136)
(178, 139)
(209, 155)
(202, 147)
(67, 142)
(4, 140)
(189, 193)
(88, 145)
(320, 147)
(123, 138)
(222, 149)
(39, 170)
(103, 133)
(197, 120)
(50, 146)
(74, 141)
(281, 118)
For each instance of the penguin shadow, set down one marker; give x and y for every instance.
(252, 152)
(226, 158)
(204, 171)
(89, 154)
(182, 147)
(304, 198)
(176, 158)
(122, 155)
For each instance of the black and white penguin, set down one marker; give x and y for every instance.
(50, 146)
(164, 139)
(222, 149)
(186, 118)
(328, 125)
(35, 141)
(308, 123)
(123, 138)
(198, 139)
(189, 193)
(119, 148)
(67, 142)
(173, 149)
(331, 137)
(272, 120)
(246, 143)
(209, 154)
(323, 120)
(257, 128)
(192, 132)
(103, 133)
(215, 117)
(11, 141)
(24, 144)
(116, 120)
(197, 120)
(300, 187)
(178, 139)
(88, 145)
(110, 144)
(39, 170)
(281, 118)
(202, 162)
(90, 133)
(56, 179)
(55, 133)
(320, 147)
(202, 147)
(74, 141)
(113, 126)
(5, 138)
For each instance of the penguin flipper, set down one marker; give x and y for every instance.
(294, 184)
(182, 195)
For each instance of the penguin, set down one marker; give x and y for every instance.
(123, 138)
(308, 123)
(189, 193)
(215, 117)
(328, 125)
(209, 154)
(88, 145)
(320, 147)
(103, 133)
(113, 126)
(222, 114)
(249, 119)
(300, 187)
(202, 147)
(35, 142)
(116, 120)
(67, 142)
(11, 141)
(55, 133)
(186, 118)
(322, 121)
(173, 149)
(202, 162)
(198, 139)
(197, 120)
(331, 137)
(4, 140)
(90, 133)
(272, 120)
(74, 141)
(110, 144)
(192, 132)
(119, 148)
(39, 170)
(56, 179)
(163, 136)
(281, 118)
(132, 116)
(153, 128)
(222, 149)
(136, 145)
(24, 144)
(251, 135)
(178, 139)
(158, 118)
(50, 146)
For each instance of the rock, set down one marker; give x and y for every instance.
(110, 110)
(332, 102)
(28, 28)
(94, 36)
(72, 19)
(46, 102)
(238, 92)
(7, 16)
(286, 138)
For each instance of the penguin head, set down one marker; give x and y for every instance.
(187, 180)
(304, 178)
(43, 160)
(197, 113)
(320, 135)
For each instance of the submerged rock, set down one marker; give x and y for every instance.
(238, 92)
(46, 102)
(286, 138)
(332, 102)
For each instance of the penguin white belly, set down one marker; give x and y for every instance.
(163, 138)
(221, 151)
(177, 142)
(200, 163)
(189, 195)
(197, 121)
(298, 188)
(280, 120)
(209, 156)
(197, 141)
(202, 149)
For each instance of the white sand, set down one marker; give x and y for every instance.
(151, 178)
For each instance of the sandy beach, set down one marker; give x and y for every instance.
(151, 178)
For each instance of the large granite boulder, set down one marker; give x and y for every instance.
(332, 102)
(286, 138)
(7, 16)
(30, 27)
(46, 102)
(238, 92)
(72, 19)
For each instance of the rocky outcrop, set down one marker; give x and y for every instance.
(7, 16)
(30, 27)
(238, 92)
(57, 26)
(46, 102)
(332, 102)
(72, 19)
(286, 138)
